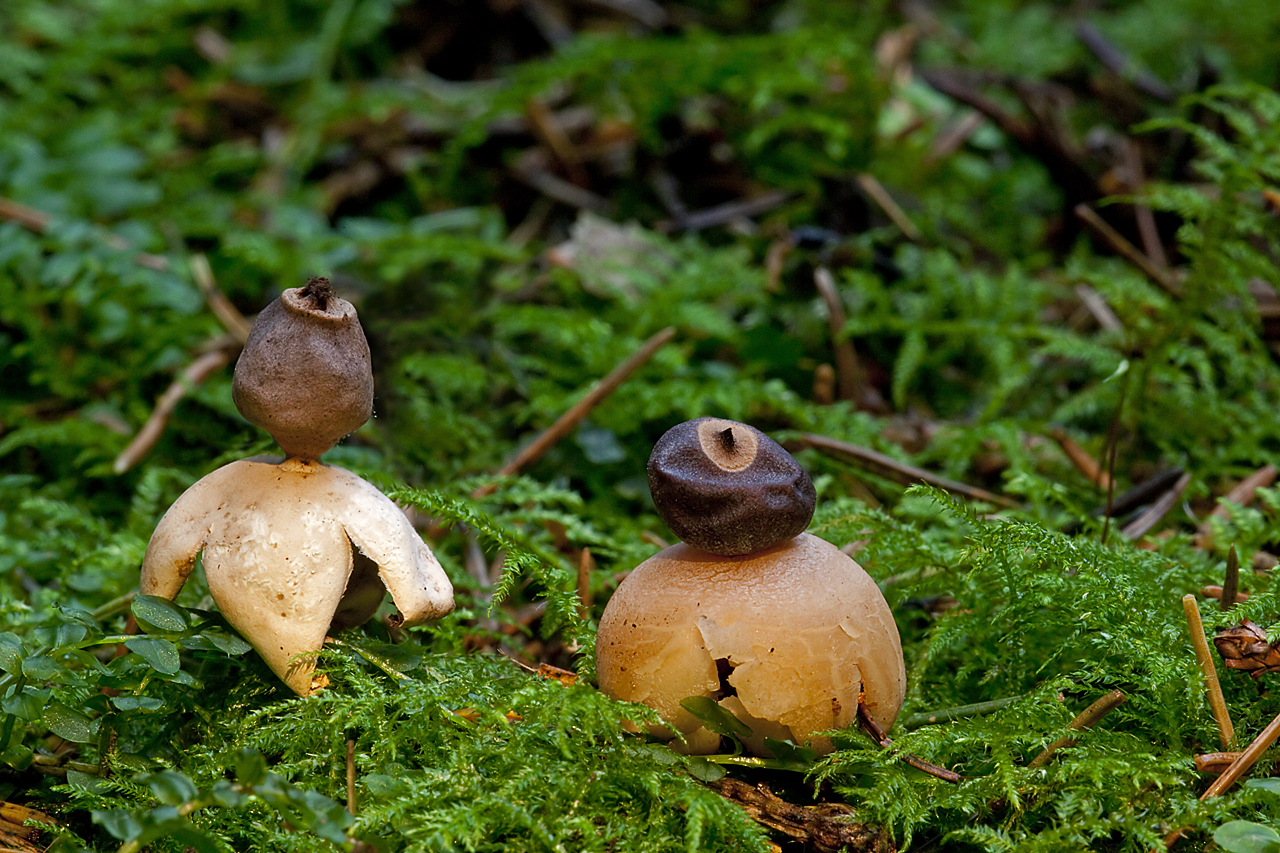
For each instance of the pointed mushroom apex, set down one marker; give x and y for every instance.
(727, 488)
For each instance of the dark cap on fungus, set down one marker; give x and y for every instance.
(305, 375)
(728, 489)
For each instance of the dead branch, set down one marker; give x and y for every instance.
(877, 193)
(1158, 510)
(1087, 465)
(194, 374)
(1221, 714)
(1087, 719)
(1241, 494)
(825, 828)
(900, 471)
(575, 414)
(727, 212)
(38, 221)
(850, 381)
(1117, 241)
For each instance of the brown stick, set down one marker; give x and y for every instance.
(850, 381)
(1080, 457)
(351, 777)
(900, 471)
(1230, 582)
(872, 728)
(38, 221)
(727, 212)
(1215, 762)
(1087, 719)
(1243, 493)
(1116, 241)
(195, 373)
(584, 584)
(1221, 714)
(1098, 307)
(877, 193)
(1247, 759)
(574, 415)
(1158, 510)
(231, 318)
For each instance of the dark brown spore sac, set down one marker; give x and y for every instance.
(728, 489)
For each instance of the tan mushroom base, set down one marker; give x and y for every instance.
(291, 551)
(786, 639)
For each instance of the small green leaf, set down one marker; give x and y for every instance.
(703, 770)
(41, 668)
(1245, 836)
(11, 653)
(162, 654)
(250, 767)
(170, 787)
(137, 703)
(87, 782)
(1270, 783)
(119, 823)
(69, 724)
(716, 718)
(787, 753)
(158, 615)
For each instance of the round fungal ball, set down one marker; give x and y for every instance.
(786, 639)
(305, 375)
(727, 488)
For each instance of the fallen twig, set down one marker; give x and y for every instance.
(220, 305)
(1215, 762)
(1245, 761)
(531, 171)
(38, 221)
(574, 415)
(850, 382)
(877, 193)
(1098, 307)
(727, 212)
(959, 712)
(1087, 719)
(194, 374)
(1221, 714)
(824, 828)
(1117, 241)
(1158, 510)
(873, 730)
(900, 471)
(1087, 465)
(1121, 65)
(1231, 581)
(1242, 494)
(585, 563)
(351, 777)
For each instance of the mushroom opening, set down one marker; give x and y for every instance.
(724, 669)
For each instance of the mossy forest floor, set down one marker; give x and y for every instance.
(1002, 274)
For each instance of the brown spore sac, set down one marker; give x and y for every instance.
(728, 489)
(305, 375)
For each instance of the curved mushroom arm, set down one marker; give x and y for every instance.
(180, 535)
(411, 573)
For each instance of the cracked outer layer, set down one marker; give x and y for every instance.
(292, 551)
(305, 375)
(801, 626)
(727, 488)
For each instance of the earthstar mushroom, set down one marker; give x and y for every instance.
(789, 637)
(293, 549)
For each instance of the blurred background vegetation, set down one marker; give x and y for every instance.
(977, 237)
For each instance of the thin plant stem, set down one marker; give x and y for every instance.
(1221, 715)
(1087, 719)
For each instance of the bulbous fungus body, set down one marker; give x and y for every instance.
(295, 549)
(785, 638)
(305, 374)
(292, 550)
(727, 488)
